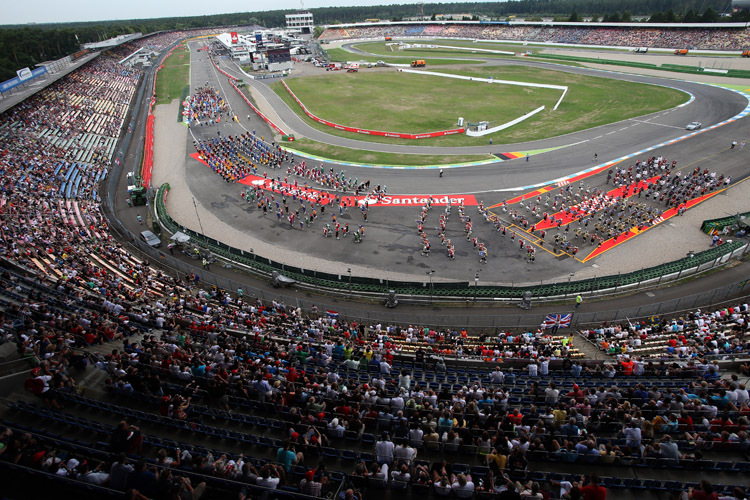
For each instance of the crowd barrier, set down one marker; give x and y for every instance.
(462, 290)
(398, 135)
(231, 78)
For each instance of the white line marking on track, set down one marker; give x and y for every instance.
(659, 124)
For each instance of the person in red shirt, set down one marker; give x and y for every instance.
(516, 417)
(684, 422)
(705, 492)
(627, 366)
(593, 491)
(576, 393)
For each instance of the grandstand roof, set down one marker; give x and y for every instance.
(112, 42)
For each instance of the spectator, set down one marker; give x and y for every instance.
(593, 491)
(119, 473)
(309, 486)
(270, 476)
(286, 456)
(704, 492)
(384, 449)
(463, 487)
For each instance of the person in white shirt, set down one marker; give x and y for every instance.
(384, 449)
(401, 475)
(742, 395)
(638, 367)
(462, 487)
(415, 434)
(544, 366)
(404, 380)
(551, 394)
(397, 402)
(335, 429)
(632, 435)
(269, 477)
(405, 454)
(533, 369)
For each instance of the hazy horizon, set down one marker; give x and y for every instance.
(49, 11)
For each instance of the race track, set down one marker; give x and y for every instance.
(392, 245)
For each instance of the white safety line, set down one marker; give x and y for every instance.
(659, 124)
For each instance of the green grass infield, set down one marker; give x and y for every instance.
(387, 100)
(173, 77)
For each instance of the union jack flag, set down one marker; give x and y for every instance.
(561, 320)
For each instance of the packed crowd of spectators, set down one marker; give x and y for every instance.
(209, 349)
(56, 146)
(311, 370)
(697, 38)
(723, 332)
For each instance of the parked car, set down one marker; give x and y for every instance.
(693, 126)
(150, 239)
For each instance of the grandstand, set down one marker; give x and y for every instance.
(147, 385)
(722, 37)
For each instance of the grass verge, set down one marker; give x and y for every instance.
(338, 153)
(341, 55)
(173, 77)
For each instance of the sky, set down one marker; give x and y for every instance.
(62, 11)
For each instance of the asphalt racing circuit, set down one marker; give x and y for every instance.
(392, 245)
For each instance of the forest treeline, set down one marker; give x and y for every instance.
(26, 46)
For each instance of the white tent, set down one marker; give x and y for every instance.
(180, 237)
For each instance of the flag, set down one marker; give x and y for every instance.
(561, 320)
(332, 314)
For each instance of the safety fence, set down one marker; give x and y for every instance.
(498, 319)
(693, 263)
(398, 135)
(231, 78)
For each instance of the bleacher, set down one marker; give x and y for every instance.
(720, 38)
